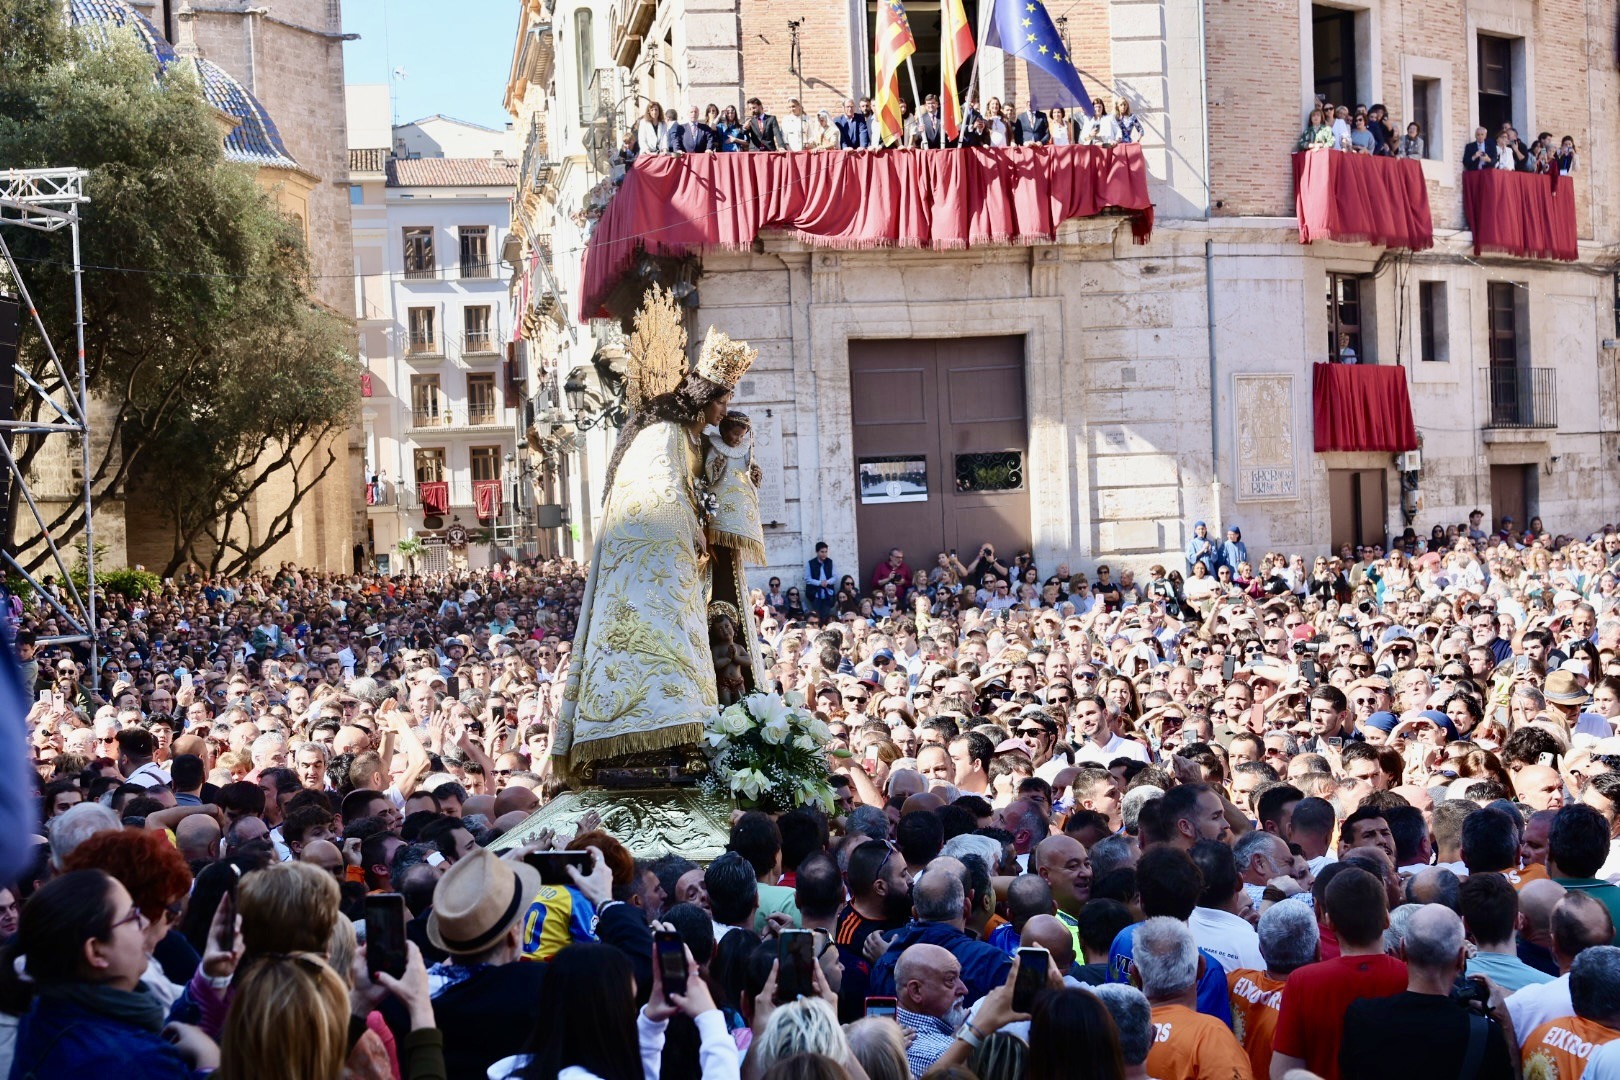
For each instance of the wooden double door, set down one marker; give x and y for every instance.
(941, 448)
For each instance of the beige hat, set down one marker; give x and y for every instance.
(480, 898)
(1563, 688)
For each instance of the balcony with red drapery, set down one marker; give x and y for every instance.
(1361, 407)
(1362, 199)
(487, 499)
(1517, 213)
(435, 496)
(930, 199)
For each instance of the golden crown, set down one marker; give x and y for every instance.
(724, 361)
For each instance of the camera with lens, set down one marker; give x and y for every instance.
(1472, 993)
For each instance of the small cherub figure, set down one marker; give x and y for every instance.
(730, 659)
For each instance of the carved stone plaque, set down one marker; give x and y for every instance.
(1264, 441)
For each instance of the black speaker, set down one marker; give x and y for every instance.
(10, 316)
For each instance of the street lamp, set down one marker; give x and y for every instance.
(593, 404)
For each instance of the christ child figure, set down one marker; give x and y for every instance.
(730, 659)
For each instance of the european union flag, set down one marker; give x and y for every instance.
(1022, 28)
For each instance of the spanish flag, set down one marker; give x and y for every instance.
(955, 46)
(894, 44)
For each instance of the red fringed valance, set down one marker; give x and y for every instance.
(435, 495)
(1515, 213)
(487, 498)
(1361, 407)
(1361, 199)
(941, 199)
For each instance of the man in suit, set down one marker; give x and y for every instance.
(692, 137)
(1479, 154)
(927, 130)
(1033, 127)
(854, 133)
(762, 131)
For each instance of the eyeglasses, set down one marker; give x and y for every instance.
(1037, 731)
(856, 700)
(1085, 676)
(1273, 641)
(1366, 702)
(1202, 650)
(504, 772)
(1053, 700)
(1361, 667)
(920, 693)
(134, 916)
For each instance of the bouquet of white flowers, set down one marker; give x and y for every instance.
(768, 754)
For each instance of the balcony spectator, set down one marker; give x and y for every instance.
(1033, 127)
(1009, 116)
(871, 123)
(1479, 154)
(1130, 128)
(797, 129)
(976, 132)
(1506, 153)
(1317, 134)
(1383, 135)
(1065, 132)
(1520, 152)
(1361, 138)
(692, 137)
(762, 132)
(652, 134)
(999, 131)
(1566, 158)
(1101, 129)
(1341, 128)
(925, 130)
(1541, 153)
(826, 136)
(1411, 144)
(854, 133)
(728, 131)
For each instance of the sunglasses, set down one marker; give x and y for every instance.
(1085, 676)
(504, 772)
(1053, 700)
(862, 700)
(1035, 731)
(1361, 667)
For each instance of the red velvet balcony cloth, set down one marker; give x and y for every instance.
(487, 498)
(1361, 407)
(435, 496)
(939, 199)
(1361, 199)
(1515, 213)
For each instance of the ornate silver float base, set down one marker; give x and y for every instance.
(649, 821)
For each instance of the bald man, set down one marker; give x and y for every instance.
(325, 855)
(928, 990)
(1062, 862)
(1536, 902)
(197, 837)
(1539, 787)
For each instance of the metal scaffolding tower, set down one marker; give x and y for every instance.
(48, 200)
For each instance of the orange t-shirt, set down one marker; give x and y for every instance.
(1191, 1046)
(1520, 878)
(1558, 1049)
(1255, 1000)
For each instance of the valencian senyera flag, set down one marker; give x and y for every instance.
(955, 46)
(1022, 28)
(893, 45)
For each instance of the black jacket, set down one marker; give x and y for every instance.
(1033, 129)
(764, 133)
(692, 139)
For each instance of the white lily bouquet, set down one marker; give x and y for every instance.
(768, 753)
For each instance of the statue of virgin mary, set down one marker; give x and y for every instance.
(642, 676)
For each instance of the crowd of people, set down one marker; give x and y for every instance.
(1240, 819)
(1363, 129)
(711, 129)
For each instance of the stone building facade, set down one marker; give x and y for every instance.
(1172, 382)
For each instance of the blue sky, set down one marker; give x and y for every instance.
(454, 53)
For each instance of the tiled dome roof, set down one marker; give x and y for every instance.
(255, 139)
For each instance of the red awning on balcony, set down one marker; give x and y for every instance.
(1361, 199)
(487, 499)
(1515, 213)
(1361, 407)
(941, 199)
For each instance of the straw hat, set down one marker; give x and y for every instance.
(480, 898)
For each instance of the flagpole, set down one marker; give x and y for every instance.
(943, 75)
(917, 96)
(973, 75)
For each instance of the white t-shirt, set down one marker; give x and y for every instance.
(1118, 746)
(1537, 1004)
(1226, 937)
